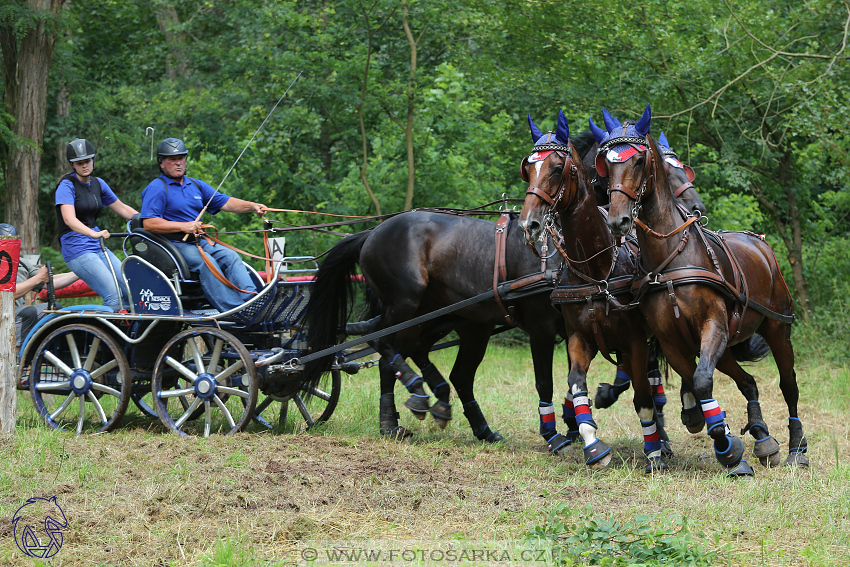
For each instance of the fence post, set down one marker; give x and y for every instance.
(10, 251)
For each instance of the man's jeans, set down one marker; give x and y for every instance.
(229, 264)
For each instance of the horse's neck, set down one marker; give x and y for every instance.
(586, 235)
(660, 214)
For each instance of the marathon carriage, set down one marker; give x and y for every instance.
(201, 371)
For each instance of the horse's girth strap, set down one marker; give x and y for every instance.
(500, 268)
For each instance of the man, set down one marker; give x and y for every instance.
(30, 278)
(170, 206)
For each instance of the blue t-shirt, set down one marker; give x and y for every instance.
(181, 203)
(75, 244)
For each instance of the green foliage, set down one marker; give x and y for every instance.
(582, 538)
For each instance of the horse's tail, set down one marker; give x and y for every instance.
(331, 297)
(656, 352)
(752, 350)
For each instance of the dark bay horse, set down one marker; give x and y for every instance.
(718, 290)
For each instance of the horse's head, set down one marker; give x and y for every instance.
(626, 159)
(680, 178)
(552, 175)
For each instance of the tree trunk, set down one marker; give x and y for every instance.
(27, 65)
(411, 107)
(176, 65)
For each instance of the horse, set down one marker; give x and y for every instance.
(560, 188)
(721, 289)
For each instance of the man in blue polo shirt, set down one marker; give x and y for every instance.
(170, 205)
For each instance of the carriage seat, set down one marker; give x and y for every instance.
(159, 251)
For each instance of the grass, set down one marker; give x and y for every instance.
(142, 496)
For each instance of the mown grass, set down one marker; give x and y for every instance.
(142, 496)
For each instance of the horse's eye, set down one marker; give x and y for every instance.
(639, 161)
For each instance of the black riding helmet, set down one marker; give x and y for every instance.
(79, 150)
(171, 147)
(7, 229)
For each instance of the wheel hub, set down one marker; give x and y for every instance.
(205, 386)
(81, 381)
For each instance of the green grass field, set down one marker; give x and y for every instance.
(143, 496)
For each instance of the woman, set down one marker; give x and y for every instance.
(79, 199)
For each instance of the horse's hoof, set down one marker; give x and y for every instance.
(767, 451)
(604, 396)
(442, 413)
(797, 459)
(741, 470)
(558, 443)
(597, 455)
(666, 449)
(693, 419)
(733, 454)
(656, 465)
(494, 437)
(398, 433)
(418, 405)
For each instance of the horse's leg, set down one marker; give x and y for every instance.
(777, 335)
(659, 397)
(441, 411)
(635, 361)
(607, 394)
(542, 352)
(391, 349)
(596, 453)
(475, 338)
(728, 448)
(388, 416)
(766, 448)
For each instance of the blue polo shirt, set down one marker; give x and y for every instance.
(74, 244)
(180, 203)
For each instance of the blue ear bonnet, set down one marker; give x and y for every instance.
(614, 131)
(560, 137)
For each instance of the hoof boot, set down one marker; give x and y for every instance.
(693, 419)
(741, 470)
(605, 396)
(573, 435)
(442, 413)
(656, 465)
(733, 454)
(489, 436)
(767, 451)
(558, 443)
(418, 405)
(597, 455)
(398, 433)
(797, 459)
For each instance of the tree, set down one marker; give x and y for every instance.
(27, 39)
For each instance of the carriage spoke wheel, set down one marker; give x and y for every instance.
(204, 382)
(312, 405)
(80, 380)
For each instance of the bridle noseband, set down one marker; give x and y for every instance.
(552, 202)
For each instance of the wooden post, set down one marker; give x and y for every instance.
(10, 250)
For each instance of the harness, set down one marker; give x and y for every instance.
(661, 277)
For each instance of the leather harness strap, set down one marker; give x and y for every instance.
(500, 269)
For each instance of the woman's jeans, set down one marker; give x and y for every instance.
(93, 269)
(229, 264)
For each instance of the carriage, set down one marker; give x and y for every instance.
(199, 370)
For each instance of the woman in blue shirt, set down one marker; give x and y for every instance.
(79, 199)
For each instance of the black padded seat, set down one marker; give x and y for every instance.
(159, 251)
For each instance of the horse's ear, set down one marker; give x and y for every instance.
(601, 165)
(662, 139)
(598, 132)
(563, 130)
(536, 134)
(689, 172)
(611, 123)
(643, 124)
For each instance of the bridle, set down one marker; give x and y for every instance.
(568, 181)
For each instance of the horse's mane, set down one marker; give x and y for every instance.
(583, 142)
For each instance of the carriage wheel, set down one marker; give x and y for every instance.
(206, 371)
(313, 406)
(80, 380)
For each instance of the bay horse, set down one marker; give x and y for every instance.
(721, 289)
